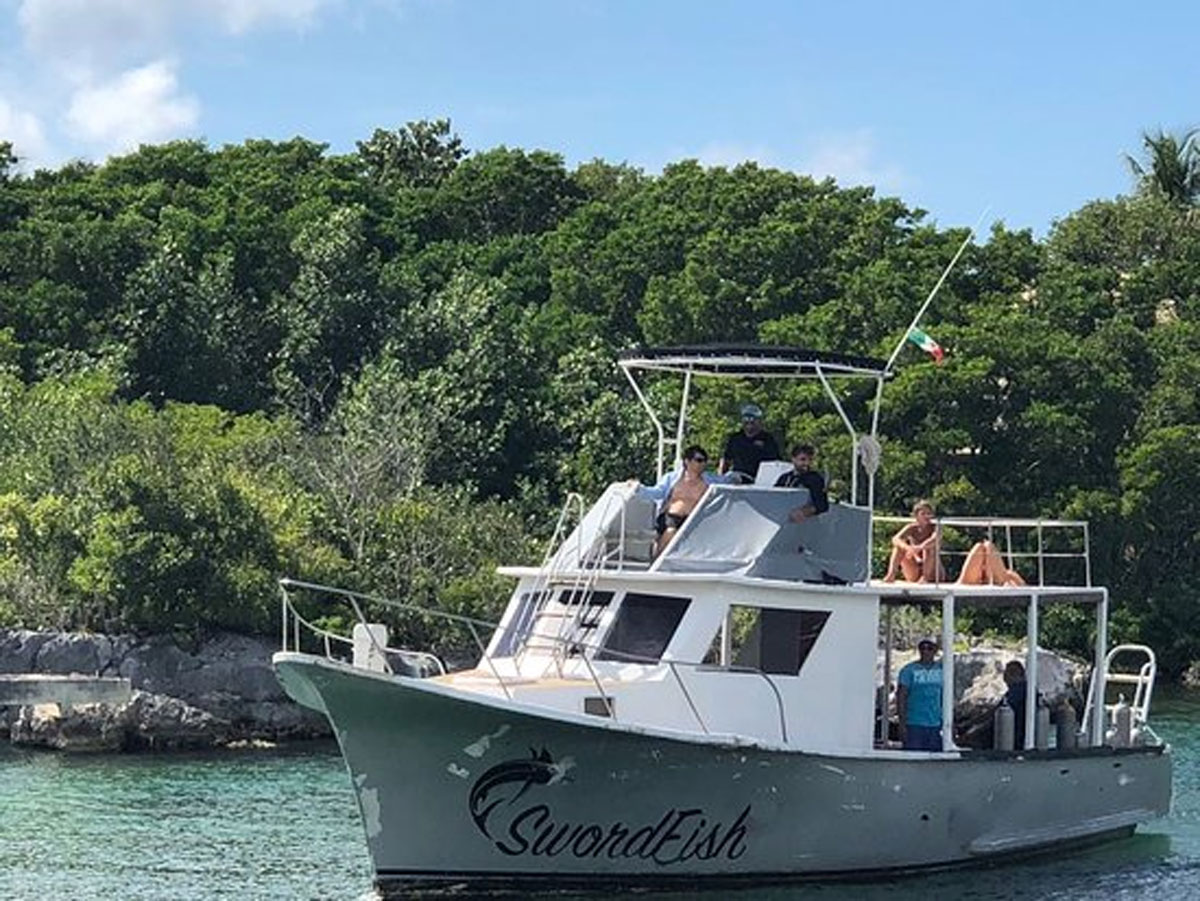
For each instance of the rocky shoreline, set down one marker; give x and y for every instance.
(220, 694)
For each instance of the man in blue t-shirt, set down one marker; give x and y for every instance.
(919, 700)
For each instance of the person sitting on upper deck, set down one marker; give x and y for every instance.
(749, 446)
(985, 566)
(678, 492)
(916, 549)
(804, 476)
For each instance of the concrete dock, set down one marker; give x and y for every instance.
(38, 688)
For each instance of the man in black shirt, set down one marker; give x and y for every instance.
(1014, 678)
(746, 448)
(803, 476)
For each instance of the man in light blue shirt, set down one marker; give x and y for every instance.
(678, 492)
(919, 700)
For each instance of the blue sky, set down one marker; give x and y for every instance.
(1025, 109)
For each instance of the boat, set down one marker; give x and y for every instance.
(718, 714)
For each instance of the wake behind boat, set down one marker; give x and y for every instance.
(715, 713)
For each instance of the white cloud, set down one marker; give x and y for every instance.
(82, 36)
(103, 32)
(104, 62)
(141, 105)
(24, 130)
(240, 16)
(850, 158)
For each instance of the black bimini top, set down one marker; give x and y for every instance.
(751, 361)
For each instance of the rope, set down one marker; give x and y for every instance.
(870, 451)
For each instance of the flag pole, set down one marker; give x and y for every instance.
(928, 300)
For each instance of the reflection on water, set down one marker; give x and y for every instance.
(282, 824)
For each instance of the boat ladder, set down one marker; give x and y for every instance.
(553, 621)
(1135, 682)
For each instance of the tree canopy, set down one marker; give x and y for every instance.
(387, 368)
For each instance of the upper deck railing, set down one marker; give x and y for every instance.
(616, 534)
(1042, 551)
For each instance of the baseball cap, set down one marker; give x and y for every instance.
(752, 411)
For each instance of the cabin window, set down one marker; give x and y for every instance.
(772, 639)
(521, 625)
(587, 618)
(643, 628)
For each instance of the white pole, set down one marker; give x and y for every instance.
(1031, 671)
(928, 300)
(887, 673)
(662, 440)
(682, 423)
(1100, 674)
(948, 674)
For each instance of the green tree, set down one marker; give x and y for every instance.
(420, 154)
(1171, 168)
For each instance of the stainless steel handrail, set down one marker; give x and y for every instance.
(473, 623)
(326, 636)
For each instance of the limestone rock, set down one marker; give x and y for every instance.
(158, 722)
(223, 691)
(86, 727)
(19, 648)
(73, 652)
(156, 665)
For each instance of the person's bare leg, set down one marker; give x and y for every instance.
(994, 568)
(912, 572)
(894, 563)
(1013, 578)
(974, 567)
(663, 540)
(931, 566)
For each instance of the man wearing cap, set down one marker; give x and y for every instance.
(749, 446)
(919, 700)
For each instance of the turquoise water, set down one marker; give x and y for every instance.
(272, 824)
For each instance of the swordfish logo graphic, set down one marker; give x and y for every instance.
(508, 812)
(539, 770)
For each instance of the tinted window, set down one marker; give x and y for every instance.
(776, 640)
(643, 628)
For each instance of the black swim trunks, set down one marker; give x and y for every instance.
(668, 521)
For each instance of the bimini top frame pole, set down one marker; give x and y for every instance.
(752, 361)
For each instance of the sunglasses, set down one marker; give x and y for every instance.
(698, 459)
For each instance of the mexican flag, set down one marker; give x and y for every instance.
(927, 344)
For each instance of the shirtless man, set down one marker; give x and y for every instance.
(678, 493)
(915, 549)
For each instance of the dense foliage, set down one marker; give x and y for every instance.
(387, 368)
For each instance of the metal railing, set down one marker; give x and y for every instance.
(1018, 539)
(581, 650)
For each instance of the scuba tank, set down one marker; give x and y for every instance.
(1004, 726)
(1041, 726)
(1067, 735)
(1122, 724)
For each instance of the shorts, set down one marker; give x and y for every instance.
(923, 738)
(668, 521)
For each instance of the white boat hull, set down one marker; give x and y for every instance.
(456, 788)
